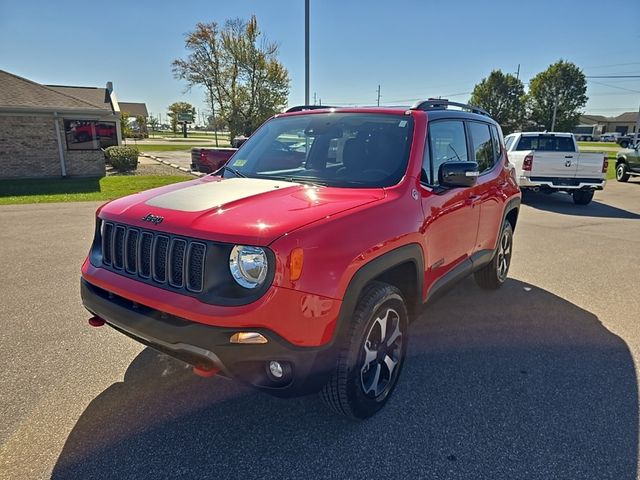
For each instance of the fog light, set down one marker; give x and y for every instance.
(276, 370)
(247, 337)
(279, 373)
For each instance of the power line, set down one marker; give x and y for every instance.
(612, 76)
(614, 65)
(615, 86)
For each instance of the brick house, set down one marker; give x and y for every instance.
(50, 132)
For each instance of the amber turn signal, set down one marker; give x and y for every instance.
(296, 259)
(247, 337)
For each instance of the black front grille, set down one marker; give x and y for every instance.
(165, 259)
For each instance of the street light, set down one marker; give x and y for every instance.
(306, 52)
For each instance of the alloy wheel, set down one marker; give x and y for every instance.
(504, 255)
(382, 354)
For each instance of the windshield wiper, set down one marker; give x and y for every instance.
(305, 180)
(234, 171)
(308, 181)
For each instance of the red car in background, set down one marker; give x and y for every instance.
(209, 160)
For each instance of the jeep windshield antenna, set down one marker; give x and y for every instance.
(456, 153)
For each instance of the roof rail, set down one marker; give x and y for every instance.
(300, 108)
(443, 104)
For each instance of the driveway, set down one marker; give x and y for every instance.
(535, 380)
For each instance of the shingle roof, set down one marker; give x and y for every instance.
(592, 118)
(134, 109)
(626, 117)
(93, 95)
(18, 92)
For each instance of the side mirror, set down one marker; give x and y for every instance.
(458, 174)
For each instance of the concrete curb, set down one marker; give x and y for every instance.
(172, 165)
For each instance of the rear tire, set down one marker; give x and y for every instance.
(494, 274)
(370, 363)
(582, 197)
(624, 143)
(621, 172)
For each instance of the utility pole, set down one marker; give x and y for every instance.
(637, 135)
(518, 73)
(314, 98)
(378, 95)
(306, 52)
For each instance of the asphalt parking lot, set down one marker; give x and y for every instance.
(535, 380)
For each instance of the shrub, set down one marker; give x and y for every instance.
(123, 159)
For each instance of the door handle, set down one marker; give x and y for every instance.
(472, 199)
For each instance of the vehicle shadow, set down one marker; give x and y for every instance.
(563, 203)
(516, 383)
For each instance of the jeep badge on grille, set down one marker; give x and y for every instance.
(155, 219)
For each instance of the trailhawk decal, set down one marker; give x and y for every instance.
(214, 194)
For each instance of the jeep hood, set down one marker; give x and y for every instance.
(235, 210)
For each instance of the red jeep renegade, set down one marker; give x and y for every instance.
(298, 266)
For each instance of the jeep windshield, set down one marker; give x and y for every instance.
(334, 149)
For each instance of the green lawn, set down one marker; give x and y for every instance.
(152, 147)
(209, 135)
(611, 171)
(598, 144)
(167, 148)
(79, 189)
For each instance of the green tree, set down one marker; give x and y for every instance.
(142, 125)
(175, 109)
(556, 96)
(239, 70)
(125, 127)
(153, 123)
(503, 97)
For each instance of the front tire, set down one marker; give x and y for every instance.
(494, 274)
(371, 360)
(621, 172)
(582, 197)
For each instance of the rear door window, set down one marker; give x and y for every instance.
(482, 145)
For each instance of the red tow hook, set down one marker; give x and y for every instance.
(96, 322)
(201, 372)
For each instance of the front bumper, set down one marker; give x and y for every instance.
(208, 348)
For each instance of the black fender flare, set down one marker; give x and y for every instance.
(513, 204)
(411, 252)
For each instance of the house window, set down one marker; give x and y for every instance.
(89, 134)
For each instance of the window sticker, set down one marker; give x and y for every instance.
(239, 163)
(402, 124)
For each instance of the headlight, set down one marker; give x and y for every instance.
(248, 265)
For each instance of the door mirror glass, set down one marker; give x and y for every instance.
(458, 174)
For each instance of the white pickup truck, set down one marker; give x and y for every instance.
(550, 162)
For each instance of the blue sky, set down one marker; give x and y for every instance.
(413, 49)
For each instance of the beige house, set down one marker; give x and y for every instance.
(623, 124)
